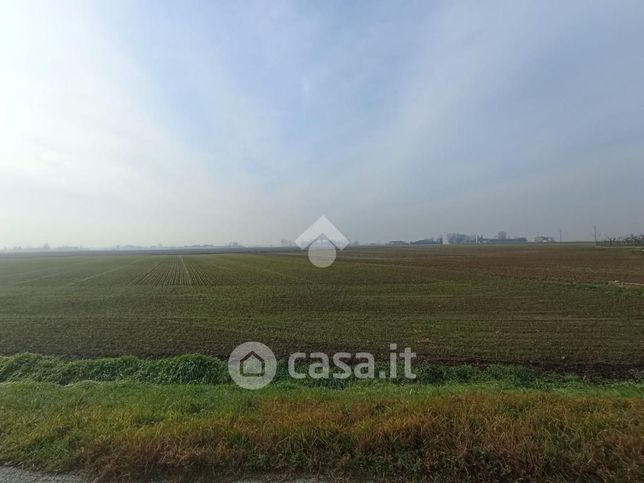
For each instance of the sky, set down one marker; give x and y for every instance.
(208, 122)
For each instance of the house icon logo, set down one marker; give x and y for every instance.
(323, 240)
(252, 365)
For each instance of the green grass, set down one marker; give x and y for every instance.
(201, 369)
(484, 431)
(182, 418)
(524, 304)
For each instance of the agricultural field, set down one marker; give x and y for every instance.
(113, 366)
(576, 307)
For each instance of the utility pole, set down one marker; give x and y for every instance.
(595, 233)
(560, 237)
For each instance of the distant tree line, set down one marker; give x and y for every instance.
(424, 241)
(628, 240)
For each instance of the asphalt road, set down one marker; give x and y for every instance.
(9, 474)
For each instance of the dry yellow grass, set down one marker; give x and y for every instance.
(138, 431)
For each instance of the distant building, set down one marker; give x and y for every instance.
(460, 239)
(544, 239)
(429, 241)
(398, 243)
(502, 238)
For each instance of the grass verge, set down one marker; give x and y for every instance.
(132, 430)
(201, 369)
(179, 418)
(137, 431)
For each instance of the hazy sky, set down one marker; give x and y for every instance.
(208, 122)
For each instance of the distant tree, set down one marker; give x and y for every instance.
(610, 240)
